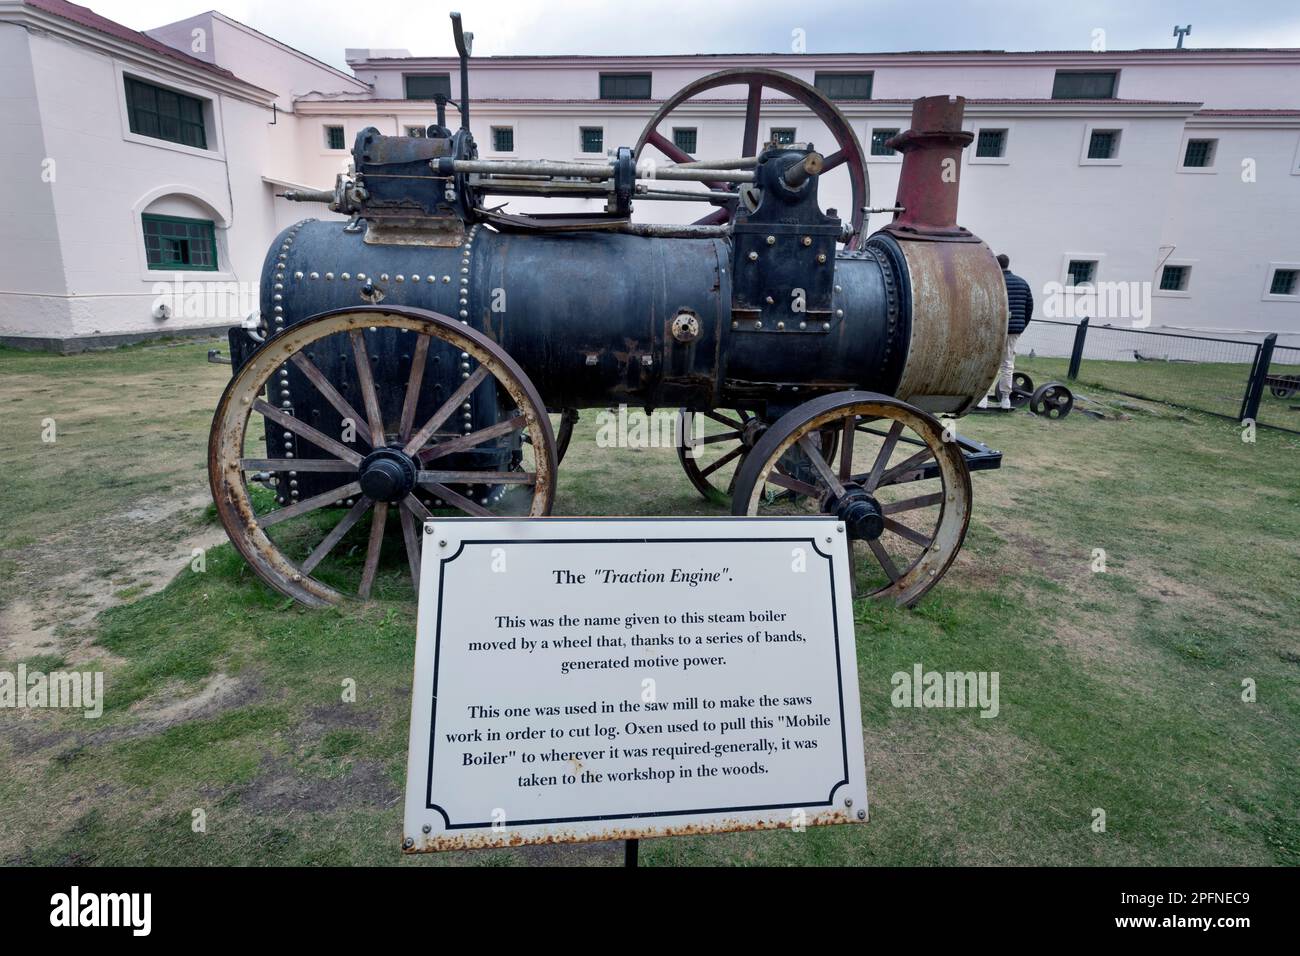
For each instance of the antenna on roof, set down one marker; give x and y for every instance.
(464, 43)
(1181, 32)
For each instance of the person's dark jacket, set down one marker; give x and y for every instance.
(1020, 300)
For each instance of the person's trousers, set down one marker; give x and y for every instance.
(1008, 366)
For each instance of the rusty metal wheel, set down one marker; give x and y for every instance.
(562, 427)
(901, 490)
(446, 438)
(848, 151)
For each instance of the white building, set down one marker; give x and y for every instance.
(1177, 169)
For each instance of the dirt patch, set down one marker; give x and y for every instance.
(127, 557)
(280, 788)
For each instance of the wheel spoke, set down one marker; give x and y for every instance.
(418, 357)
(903, 531)
(902, 468)
(477, 477)
(412, 538)
(738, 450)
(882, 459)
(846, 449)
(458, 501)
(366, 379)
(793, 484)
(317, 378)
(296, 464)
(378, 518)
(303, 430)
(911, 504)
(814, 454)
(464, 442)
(714, 439)
(669, 148)
(753, 106)
(309, 504)
(885, 560)
(835, 159)
(336, 534)
(417, 508)
(723, 419)
(421, 438)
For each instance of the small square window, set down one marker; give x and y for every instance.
(593, 139)
(416, 132)
(1082, 271)
(334, 137)
(783, 136)
(991, 143)
(685, 138)
(878, 139)
(1284, 282)
(1200, 152)
(503, 139)
(1103, 144)
(1174, 278)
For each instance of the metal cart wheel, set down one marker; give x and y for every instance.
(1052, 400)
(391, 463)
(901, 490)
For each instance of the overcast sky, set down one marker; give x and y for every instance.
(323, 28)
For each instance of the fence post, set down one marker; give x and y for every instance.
(1076, 356)
(1255, 388)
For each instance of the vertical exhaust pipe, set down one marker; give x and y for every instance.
(928, 181)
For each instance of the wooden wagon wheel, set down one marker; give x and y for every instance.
(389, 465)
(562, 426)
(901, 490)
(848, 151)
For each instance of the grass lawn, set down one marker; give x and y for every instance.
(1120, 691)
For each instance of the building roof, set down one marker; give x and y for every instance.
(89, 18)
(1091, 54)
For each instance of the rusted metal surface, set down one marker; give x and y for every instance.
(928, 181)
(432, 843)
(958, 324)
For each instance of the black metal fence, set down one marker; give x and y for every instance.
(1231, 378)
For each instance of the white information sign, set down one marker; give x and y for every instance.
(599, 679)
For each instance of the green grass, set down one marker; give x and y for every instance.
(1217, 387)
(1120, 691)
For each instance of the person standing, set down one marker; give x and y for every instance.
(1020, 310)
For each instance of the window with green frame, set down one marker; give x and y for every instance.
(161, 113)
(173, 242)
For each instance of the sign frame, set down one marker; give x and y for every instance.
(431, 826)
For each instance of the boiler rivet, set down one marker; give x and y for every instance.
(771, 240)
(753, 257)
(807, 240)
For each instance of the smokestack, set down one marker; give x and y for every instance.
(928, 181)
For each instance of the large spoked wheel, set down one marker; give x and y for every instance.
(848, 151)
(901, 490)
(415, 451)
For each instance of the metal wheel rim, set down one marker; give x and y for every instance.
(929, 567)
(239, 402)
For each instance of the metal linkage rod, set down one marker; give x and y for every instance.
(546, 167)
